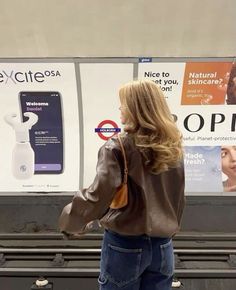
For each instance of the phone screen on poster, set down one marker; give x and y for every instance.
(46, 136)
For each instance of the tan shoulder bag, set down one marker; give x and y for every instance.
(121, 197)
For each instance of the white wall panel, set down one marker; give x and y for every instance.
(100, 85)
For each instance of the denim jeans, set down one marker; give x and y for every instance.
(136, 262)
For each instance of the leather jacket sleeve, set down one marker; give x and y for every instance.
(92, 203)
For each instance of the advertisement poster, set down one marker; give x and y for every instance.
(39, 127)
(203, 168)
(202, 99)
(205, 83)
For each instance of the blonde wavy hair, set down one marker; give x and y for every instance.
(149, 121)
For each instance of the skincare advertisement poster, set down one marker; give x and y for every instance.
(202, 99)
(203, 169)
(39, 127)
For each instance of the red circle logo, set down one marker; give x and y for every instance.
(101, 130)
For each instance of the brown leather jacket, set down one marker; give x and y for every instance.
(155, 202)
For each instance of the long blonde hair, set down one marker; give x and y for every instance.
(149, 121)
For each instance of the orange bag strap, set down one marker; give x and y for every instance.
(125, 160)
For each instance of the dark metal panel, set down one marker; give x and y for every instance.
(38, 213)
(208, 284)
(25, 283)
(32, 213)
(210, 214)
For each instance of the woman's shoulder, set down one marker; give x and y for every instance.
(126, 139)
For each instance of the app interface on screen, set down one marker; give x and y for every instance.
(46, 136)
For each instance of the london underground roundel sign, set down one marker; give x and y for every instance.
(105, 132)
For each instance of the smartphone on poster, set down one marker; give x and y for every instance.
(46, 136)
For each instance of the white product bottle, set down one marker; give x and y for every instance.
(23, 154)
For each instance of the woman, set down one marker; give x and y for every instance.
(228, 160)
(137, 251)
(231, 88)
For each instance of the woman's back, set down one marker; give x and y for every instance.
(155, 201)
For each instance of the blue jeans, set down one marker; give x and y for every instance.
(136, 263)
